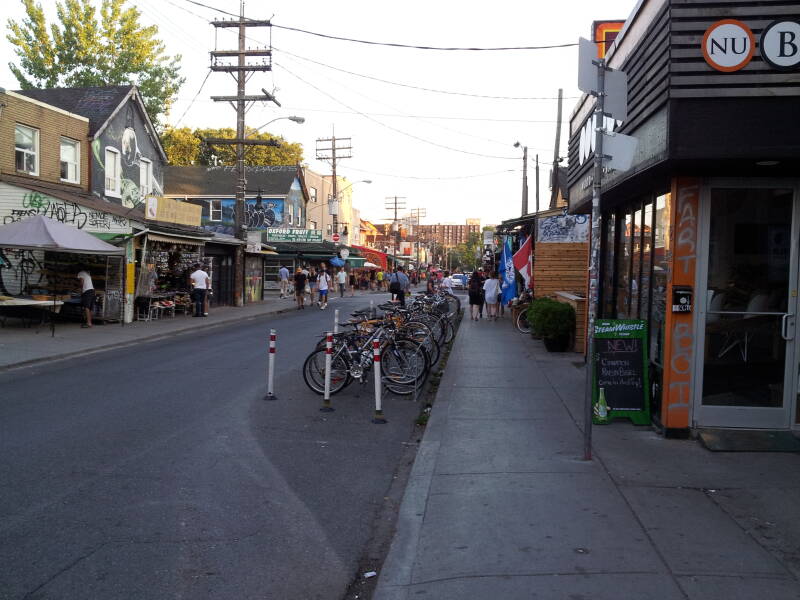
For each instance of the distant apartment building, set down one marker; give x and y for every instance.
(448, 235)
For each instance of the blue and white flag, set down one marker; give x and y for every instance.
(509, 286)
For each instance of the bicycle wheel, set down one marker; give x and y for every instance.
(522, 322)
(404, 366)
(453, 305)
(420, 332)
(314, 372)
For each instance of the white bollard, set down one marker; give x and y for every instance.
(371, 309)
(326, 402)
(376, 367)
(273, 337)
(336, 321)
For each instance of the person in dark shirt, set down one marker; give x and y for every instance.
(300, 280)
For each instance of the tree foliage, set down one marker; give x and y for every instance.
(467, 257)
(78, 50)
(186, 147)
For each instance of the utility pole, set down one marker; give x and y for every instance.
(556, 158)
(332, 149)
(524, 181)
(537, 183)
(240, 102)
(416, 213)
(395, 203)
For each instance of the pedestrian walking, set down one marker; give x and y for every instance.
(447, 283)
(324, 282)
(300, 281)
(353, 283)
(475, 292)
(491, 291)
(399, 285)
(201, 283)
(379, 280)
(312, 284)
(87, 294)
(341, 279)
(283, 278)
(372, 280)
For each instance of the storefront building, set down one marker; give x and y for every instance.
(701, 237)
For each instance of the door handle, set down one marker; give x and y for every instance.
(785, 326)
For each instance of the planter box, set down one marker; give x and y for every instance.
(578, 303)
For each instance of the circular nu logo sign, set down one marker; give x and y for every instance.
(780, 44)
(728, 45)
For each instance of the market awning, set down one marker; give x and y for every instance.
(176, 239)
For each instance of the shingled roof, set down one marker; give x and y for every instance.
(221, 181)
(95, 103)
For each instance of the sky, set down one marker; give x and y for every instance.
(451, 153)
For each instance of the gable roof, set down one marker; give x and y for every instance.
(97, 104)
(221, 181)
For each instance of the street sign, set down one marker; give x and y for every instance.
(335, 237)
(620, 150)
(587, 72)
(616, 95)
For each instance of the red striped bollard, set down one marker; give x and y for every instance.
(326, 402)
(376, 366)
(273, 337)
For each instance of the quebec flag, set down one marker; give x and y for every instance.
(509, 286)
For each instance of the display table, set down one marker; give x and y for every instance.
(27, 309)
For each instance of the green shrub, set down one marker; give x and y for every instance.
(555, 320)
(535, 314)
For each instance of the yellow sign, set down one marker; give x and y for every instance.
(170, 210)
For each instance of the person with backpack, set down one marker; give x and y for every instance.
(398, 285)
(475, 292)
(324, 282)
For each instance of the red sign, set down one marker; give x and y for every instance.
(335, 237)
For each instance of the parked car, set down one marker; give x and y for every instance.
(459, 281)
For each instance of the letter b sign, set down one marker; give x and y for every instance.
(780, 44)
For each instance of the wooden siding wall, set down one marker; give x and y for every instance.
(560, 268)
(691, 77)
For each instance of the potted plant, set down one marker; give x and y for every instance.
(557, 326)
(535, 315)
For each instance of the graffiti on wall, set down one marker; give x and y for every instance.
(34, 203)
(20, 270)
(564, 229)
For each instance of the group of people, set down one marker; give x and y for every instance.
(484, 290)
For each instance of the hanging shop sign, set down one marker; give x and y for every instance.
(780, 44)
(619, 369)
(279, 234)
(728, 45)
(169, 210)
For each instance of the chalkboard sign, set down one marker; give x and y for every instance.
(620, 368)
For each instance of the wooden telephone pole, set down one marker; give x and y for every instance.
(240, 102)
(333, 149)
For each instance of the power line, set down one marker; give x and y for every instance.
(202, 85)
(420, 178)
(400, 131)
(394, 44)
(417, 87)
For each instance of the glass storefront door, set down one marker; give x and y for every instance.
(749, 359)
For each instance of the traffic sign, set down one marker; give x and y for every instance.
(335, 237)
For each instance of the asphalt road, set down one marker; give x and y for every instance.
(158, 470)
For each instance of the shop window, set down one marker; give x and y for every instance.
(145, 177)
(623, 267)
(113, 170)
(658, 286)
(636, 265)
(215, 210)
(609, 244)
(70, 160)
(647, 262)
(26, 149)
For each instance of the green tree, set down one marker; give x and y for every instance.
(79, 50)
(185, 147)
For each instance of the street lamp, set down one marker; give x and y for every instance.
(294, 119)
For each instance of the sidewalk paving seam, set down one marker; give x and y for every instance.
(673, 576)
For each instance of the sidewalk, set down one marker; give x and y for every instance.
(21, 345)
(501, 505)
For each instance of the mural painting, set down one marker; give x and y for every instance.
(128, 135)
(565, 229)
(259, 214)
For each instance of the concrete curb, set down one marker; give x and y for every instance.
(147, 338)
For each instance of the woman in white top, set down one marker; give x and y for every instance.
(491, 288)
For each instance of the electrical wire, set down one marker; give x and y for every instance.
(202, 85)
(400, 131)
(455, 177)
(394, 44)
(416, 87)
